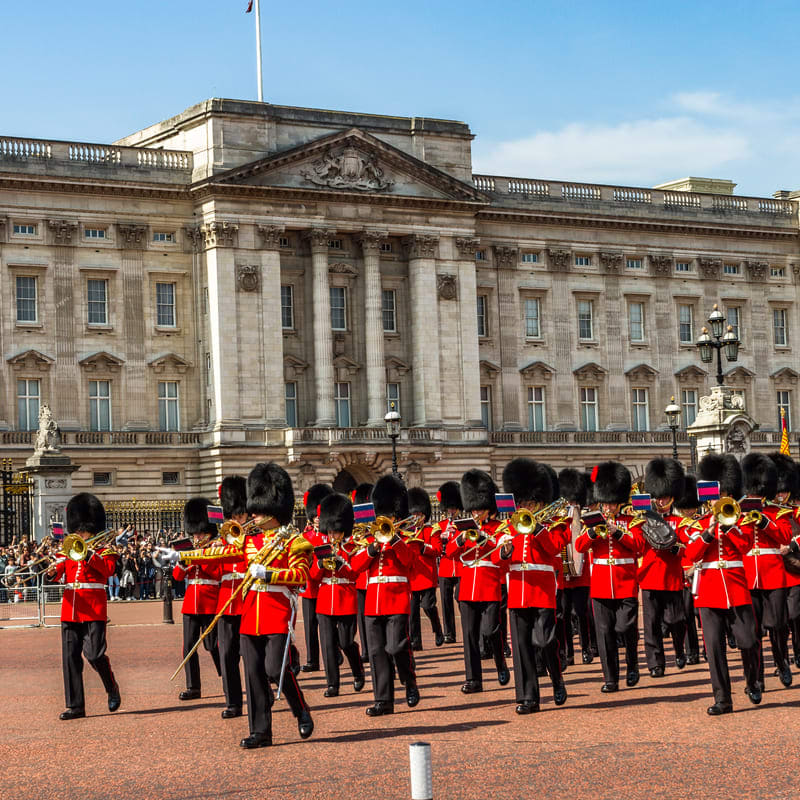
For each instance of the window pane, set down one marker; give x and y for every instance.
(96, 293)
(636, 320)
(388, 308)
(732, 318)
(689, 406)
(28, 404)
(291, 405)
(482, 315)
(585, 319)
(287, 307)
(165, 304)
(338, 309)
(26, 299)
(685, 324)
(393, 397)
(532, 328)
(779, 326)
(343, 405)
(589, 409)
(536, 409)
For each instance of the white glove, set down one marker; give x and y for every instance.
(505, 539)
(173, 556)
(258, 571)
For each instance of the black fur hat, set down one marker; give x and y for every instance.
(759, 476)
(362, 494)
(313, 497)
(390, 498)
(795, 496)
(195, 517)
(528, 480)
(664, 477)
(689, 498)
(788, 477)
(336, 514)
(574, 486)
(612, 483)
(419, 502)
(270, 492)
(478, 491)
(449, 496)
(85, 513)
(590, 499)
(553, 481)
(233, 496)
(724, 469)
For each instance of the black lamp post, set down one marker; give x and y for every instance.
(718, 339)
(673, 412)
(392, 420)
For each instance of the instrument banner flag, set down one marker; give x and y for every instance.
(364, 512)
(641, 502)
(58, 531)
(215, 514)
(707, 490)
(505, 503)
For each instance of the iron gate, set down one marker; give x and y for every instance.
(15, 505)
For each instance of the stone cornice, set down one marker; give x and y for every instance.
(72, 186)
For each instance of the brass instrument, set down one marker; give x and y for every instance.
(76, 548)
(382, 530)
(234, 533)
(726, 511)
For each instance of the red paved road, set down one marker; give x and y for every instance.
(654, 741)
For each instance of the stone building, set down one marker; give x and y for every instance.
(247, 281)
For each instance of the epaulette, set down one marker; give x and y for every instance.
(562, 520)
(299, 544)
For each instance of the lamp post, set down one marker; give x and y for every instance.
(673, 412)
(718, 339)
(392, 420)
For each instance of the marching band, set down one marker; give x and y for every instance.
(724, 547)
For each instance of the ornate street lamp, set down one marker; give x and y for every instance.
(392, 420)
(718, 339)
(673, 412)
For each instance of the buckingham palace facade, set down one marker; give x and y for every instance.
(245, 282)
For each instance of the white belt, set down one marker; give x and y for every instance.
(268, 587)
(764, 551)
(75, 586)
(333, 581)
(472, 564)
(202, 582)
(389, 579)
(721, 564)
(610, 562)
(526, 567)
(233, 576)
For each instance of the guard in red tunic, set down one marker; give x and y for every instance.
(687, 507)
(449, 497)
(720, 587)
(479, 589)
(766, 574)
(84, 607)
(337, 606)
(532, 583)
(424, 572)
(233, 498)
(614, 543)
(661, 570)
(362, 494)
(200, 601)
(388, 565)
(311, 500)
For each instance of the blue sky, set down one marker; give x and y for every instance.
(623, 92)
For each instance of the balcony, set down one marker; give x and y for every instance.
(334, 436)
(100, 439)
(546, 438)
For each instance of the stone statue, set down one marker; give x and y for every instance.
(48, 438)
(736, 442)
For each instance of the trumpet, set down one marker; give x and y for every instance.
(726, 511)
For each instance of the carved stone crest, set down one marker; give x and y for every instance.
(559, 259)
(349, 169)
(62, 230)
(757, 270)
(467, 247)
(506, 257)
(270, 235)
(248, 277)
(420, 246)
(612, 262)
(447, 287)
(710, 267)
(132, 236)
(661, 266)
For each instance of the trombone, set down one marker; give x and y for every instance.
(726, 511)
(382, 530)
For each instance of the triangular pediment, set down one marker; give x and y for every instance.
(396, 368)
(642, 372)
(590, 372)
(740, 375)
(351, 161)
(537, 370)
(488, 368)
(101, 362)
(169, 362)
(691, 373)
(345, 366)
(31, 360)
(293, 367)
(786, 374)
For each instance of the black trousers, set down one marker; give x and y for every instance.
(612, 617)
(480, 619)
(311, 627)
(661, 607)
(193, 626)
(426, 600)
(576, 599)
(533, 629)
(228, 627)
(362, 622)
(87, 639)
(793, 625)
(690, 613)
(388, 639)
(742, 622)
(448, 591)
(263, 656)
(771, 612)
(336, 632)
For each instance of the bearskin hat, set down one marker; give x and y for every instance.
(590, 498)
(313, 497)
(574, 486)
(390, 497)
(195, 517)
(528, 480)
(449, 496)
(664, 477)
(689, 498)
(233, 496)
(553, 481)
(419, 502)
(612, 483)
(336, 514)
(270, 492)
(759, 476)
(788, 477)
(362, 493)
(726, 470)
(795, 495)
(478, 491)
(85, 513)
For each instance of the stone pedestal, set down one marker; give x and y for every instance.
(722, 425)
(52, 488)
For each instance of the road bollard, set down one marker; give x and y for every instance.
(421, 773)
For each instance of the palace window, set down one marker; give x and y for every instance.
(640, 415)
(28, 394)
(393, 397)
(585, 319)
(537, 419)
(533, 328)
(94, 233)
(386, 247)
(685, 324)
(342, 401)
(733, 317)
(483, 322)
(486, 407)
(633, 263)
(287, 307)
(97, 302)
(730, 269)
(334, 244)
(165, 305)
(480, 255)
(583, 261)
(683, 266)
(688, 406)
(290, 395)
(168, 406)
(338, 308)
(24, 229)
(636, 322)
(164, 236)
(779, 327)
(785, 404)
(530, 258)
(100, 405)
(777, 272)
(588, 401)
(26, 299)
(388, 309)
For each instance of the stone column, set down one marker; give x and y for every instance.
(272, 348)
(424, 330)
(506, 260)
(470, 352)
(6, 413)
(323, 340)
(370, 242)
(52, 488)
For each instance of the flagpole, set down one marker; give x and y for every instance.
(258, 52)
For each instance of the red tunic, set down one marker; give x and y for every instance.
(720, 581)
(448, 567)
(202, 587)
(662, 570)
(423, 572)
(791, 578)
(614, 559)
(316, 538)
(481, 578)
(763, 563)
(230, 578)
(85, 592)
(337, 588)
(388, 586)
(687, 527)
(560, 530)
